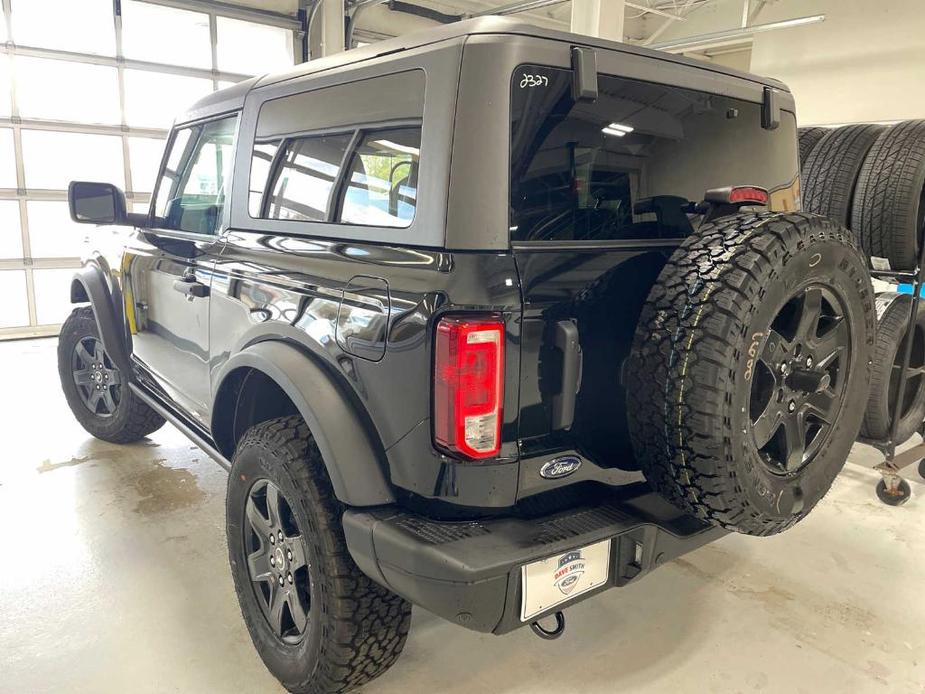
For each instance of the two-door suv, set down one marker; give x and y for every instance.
(486, 319)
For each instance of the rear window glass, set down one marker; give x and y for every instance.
(628, 165)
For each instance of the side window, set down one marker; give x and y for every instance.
(307, 173)
(382, 182)
(345, 154)
(191, 190)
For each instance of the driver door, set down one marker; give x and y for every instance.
(169, 263)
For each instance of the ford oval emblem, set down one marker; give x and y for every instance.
(558, 468)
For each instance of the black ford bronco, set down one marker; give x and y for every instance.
(487, 319)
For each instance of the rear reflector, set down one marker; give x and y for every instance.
(469, 385)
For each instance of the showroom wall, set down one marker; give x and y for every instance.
(865, 62)
(86, 94)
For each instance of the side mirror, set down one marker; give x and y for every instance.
(96, 203)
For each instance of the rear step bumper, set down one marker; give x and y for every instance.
(470, 572)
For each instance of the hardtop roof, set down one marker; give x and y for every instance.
(233, 97)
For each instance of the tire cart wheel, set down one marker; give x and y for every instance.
(922, 469)
(898, 495)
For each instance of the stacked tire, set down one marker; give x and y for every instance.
(808, 139)
(888, 213)
(871, 178)
(830, 173)
(893, 311)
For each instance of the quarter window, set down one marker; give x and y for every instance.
(308, 171)
(191, 191)
(383, 179)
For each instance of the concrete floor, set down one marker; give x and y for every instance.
(114, 578)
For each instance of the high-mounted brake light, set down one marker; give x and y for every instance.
(469, 385)
(738, 195)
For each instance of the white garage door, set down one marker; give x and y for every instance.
(88, 90)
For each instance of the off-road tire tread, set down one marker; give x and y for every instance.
(808, 139)
(831, 170)
(891, 330)
(364, 625)
(139, 420)
(887, 195)
(700, 307)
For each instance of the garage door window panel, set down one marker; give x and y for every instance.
(14, 310)
(10, 230)
(153, 99)
(7, 159)
(52, 233)
(65, 91)
(161, 34)
(53, 159)
(83, 26)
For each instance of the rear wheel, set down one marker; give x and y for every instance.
(318, 623)
(749, 369)
(95, 388)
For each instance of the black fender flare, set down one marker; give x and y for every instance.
(354, 462)
(94, 288)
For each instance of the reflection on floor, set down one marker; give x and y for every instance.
(113, 578)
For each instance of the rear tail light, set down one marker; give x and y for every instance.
(469, 385)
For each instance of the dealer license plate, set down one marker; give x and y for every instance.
(555, 580)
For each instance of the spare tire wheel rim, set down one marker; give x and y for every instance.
(277, 562)
(800, 376)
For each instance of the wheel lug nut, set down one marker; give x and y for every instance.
(281, 580)
(791, 406)
(289, 578)
(280, 535)
(289, 555)
(809, 362)
(272, 539)
(272, 561)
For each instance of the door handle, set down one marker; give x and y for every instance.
(191, 288)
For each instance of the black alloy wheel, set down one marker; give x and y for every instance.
(799, 382)
(914, 374)
(276, 561)
(98, 381)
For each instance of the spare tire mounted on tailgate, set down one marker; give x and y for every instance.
(750, 368)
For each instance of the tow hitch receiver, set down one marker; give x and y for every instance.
(550, 634)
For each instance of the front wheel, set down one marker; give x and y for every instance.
(95, 388)
(319, 624)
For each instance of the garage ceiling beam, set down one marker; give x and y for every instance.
(718, 37)
(529, 5)
(333, 27)
(667, 23)
(601, 18)
(515, 8)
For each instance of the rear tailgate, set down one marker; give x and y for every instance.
(601, 194)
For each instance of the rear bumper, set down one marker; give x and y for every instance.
(469, 572)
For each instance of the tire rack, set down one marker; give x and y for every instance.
(892, 488)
